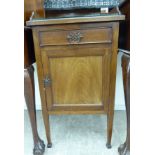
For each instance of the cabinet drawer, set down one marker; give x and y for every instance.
(78, 36)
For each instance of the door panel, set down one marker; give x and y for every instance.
(80, 81)
(76, 80)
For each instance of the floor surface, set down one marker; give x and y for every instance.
(77, 134)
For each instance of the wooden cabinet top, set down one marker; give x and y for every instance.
(83, 19)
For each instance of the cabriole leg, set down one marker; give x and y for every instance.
(29, 93)
(124, 149)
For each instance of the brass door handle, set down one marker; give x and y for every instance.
(74, 37)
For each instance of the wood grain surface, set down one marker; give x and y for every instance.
(77, 80)
(91, 35)
(82, 75)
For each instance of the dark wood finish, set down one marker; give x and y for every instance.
(124, 149)
(77, 76)
(124, 39)
(39, 146)
(29, 7)
(26, 57)
(33, 5)
(29, 59)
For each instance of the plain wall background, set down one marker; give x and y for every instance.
(119, 96)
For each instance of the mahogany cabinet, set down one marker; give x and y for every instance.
(76, 62)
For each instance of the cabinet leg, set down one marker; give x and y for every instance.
(124, 149)
(39, 146)
(109, 129)
(47, 128)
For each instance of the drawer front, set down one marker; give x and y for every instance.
(81, 36)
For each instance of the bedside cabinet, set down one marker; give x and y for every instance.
(76, 62)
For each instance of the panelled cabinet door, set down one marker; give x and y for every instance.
(77, 77)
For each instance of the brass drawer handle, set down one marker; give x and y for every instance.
(74, 37)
